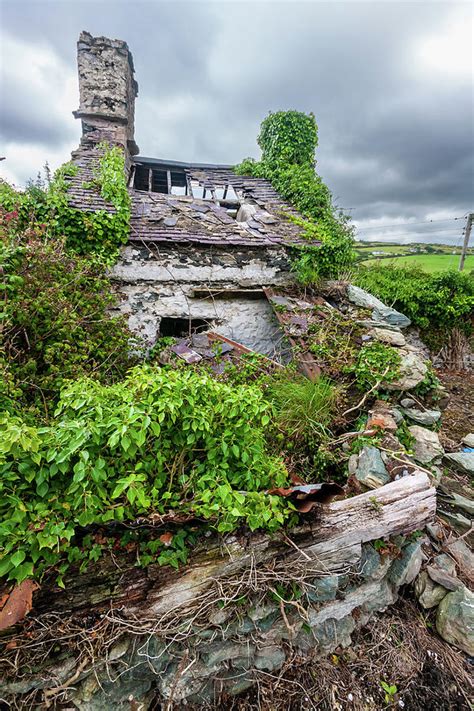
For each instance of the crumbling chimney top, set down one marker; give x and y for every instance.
(107, 90)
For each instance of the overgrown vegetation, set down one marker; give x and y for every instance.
(303, 409)
(288, 140)
(375, 364)
(160, 440)
(436, 303)
(55, 323)
(100, 232)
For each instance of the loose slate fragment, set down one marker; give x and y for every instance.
(299, 325)
(281, 301)
(221, 347)
(188, 355)
(199, 208)
(265, 218)
(308, 495)
(170, 221)
(200, 340)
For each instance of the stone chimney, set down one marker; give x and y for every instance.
(107, 91)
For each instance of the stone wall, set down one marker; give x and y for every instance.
(242, 606)
(226, 648)
(159, 281)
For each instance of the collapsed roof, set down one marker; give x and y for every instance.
(172, 202)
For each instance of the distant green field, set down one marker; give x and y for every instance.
(429, 262)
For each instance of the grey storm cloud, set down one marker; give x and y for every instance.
(396, 131)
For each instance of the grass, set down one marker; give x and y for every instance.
(428, 262)
(304, 409)
(385, 248)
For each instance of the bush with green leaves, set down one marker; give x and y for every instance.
(99, 232)
(160, 440)
(55, 320)
(434, 302)
(288, 137)
(288, 140)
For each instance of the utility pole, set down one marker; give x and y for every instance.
(467, 234)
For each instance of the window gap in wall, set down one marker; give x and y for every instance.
(182, 327)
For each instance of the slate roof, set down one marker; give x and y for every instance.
(159, 217)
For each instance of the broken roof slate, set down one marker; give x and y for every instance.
(160, 217)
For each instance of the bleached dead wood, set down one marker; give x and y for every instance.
(328, 540)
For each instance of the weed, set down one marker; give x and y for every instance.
(376, 363)
(304, 409)
(390, 691)
(375, 504)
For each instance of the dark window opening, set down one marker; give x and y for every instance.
(170, 181)
(182, 327)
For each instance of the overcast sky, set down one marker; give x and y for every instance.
(390, 84)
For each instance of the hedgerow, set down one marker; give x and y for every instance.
(288, 140)
(434, 302)
(156, 442)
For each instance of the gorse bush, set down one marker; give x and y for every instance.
(432, 301)
(158, 441)
(288, 140)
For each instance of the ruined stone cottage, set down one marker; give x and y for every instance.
(204, 242)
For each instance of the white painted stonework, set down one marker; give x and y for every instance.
(159, 283)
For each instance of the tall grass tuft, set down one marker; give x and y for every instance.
(304, 409)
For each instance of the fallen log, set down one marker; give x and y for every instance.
(327, 541)
(121, 632)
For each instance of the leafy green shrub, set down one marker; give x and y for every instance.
(158, 441)
(100, 232)
(303, 409)
(376, 362)
(288, 140)
(290, 137)
(55, 323)
(432, 301)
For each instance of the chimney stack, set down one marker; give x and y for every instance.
(107, 91)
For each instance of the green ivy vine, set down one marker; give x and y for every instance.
(288, 140)
(99, 232)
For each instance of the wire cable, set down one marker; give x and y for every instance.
(409, 224)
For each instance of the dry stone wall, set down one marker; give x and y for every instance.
(232, 645)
